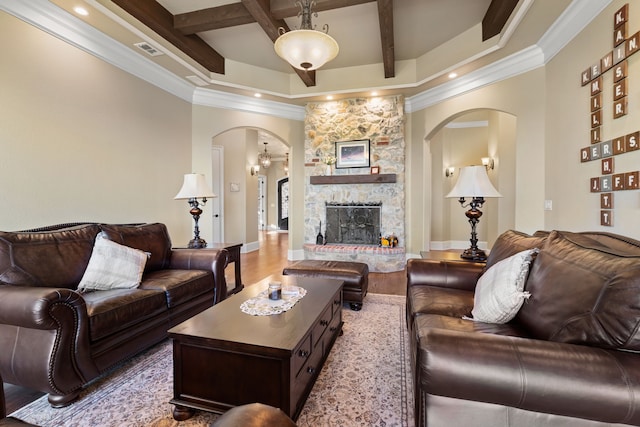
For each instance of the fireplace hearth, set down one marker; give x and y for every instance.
(353, 223)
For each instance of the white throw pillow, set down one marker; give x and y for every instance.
(113, 266)
(500, 290)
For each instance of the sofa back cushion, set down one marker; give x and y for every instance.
(151, 238)
(46, 259)
(583, 292)
(510, 243)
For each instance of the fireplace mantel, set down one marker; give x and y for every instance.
(387, 178)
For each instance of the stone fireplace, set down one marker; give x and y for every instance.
(353, 223)
(353, 207)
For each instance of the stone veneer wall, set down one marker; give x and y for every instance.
(381, 120)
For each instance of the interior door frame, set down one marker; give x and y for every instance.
(217, 185)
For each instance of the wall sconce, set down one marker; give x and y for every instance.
(255, 169)
(488, 163)
(448, 172)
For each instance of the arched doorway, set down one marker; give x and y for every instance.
(463, 140)
(241, 218)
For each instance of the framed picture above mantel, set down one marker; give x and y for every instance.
(352, 154)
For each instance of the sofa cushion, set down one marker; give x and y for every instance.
(510, 243)
(179, 286)
(583, 292)
(113, 266)
(116, 310)
(46, 259)
(151, 238)
(500, 291)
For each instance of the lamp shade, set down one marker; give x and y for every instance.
(473, 182)
(306, 49)
(193, 187)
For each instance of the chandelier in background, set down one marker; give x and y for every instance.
(306, 48)
(264, 158)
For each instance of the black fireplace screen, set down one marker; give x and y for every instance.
(353, 223)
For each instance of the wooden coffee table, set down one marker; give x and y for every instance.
(223, 357)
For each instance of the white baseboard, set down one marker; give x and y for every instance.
(296, 254)
(250, 247)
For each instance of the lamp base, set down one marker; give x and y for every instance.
(474, 254)
(197, 244)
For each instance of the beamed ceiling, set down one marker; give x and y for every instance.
(183, 29)
(392, 47)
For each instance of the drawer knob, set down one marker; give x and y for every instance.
(311, 370)
(324, 322)
(303, 353)
(336, 301)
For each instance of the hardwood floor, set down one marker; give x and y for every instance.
(269, 260)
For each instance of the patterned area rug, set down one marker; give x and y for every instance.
(366, 381)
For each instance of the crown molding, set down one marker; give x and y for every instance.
(569, 24)
(518, 63)
(229, 101)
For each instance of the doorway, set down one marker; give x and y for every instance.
(283, 204)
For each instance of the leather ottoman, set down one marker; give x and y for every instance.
(354, 274)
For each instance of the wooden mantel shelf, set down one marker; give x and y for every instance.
(385, 178)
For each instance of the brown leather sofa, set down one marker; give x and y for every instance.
(55, 339)
(569, 357)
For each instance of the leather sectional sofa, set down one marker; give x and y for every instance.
(56, 339)
(569, 357)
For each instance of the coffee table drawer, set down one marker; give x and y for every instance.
(321, 325)
(301, 354)
(306, 377)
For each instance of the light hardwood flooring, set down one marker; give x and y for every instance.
(269, 260)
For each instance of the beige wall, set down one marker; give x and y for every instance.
(568, 119)
(74, 149)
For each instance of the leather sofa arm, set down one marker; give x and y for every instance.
(447, 274)
(214, 260)
(45, 332)
(541, 376)
(41, 308)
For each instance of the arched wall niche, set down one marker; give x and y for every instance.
(462, 140)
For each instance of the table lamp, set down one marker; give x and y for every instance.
(193, 188)
(473, 182)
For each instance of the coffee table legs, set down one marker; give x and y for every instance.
(181, 413)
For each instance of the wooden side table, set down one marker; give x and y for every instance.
(234, 257)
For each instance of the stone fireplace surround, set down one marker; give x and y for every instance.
(380, 120)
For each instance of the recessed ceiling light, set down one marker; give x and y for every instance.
(81, 10)
(257, 95)
(453, 75)
(374, 93)
(329, 97)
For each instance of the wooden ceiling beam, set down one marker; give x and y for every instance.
(496, 17)
(214, 18)
(385, 16)
(260, 11)
(231, 15)
(160, 20)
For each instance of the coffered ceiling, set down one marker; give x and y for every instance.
(388, 46)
